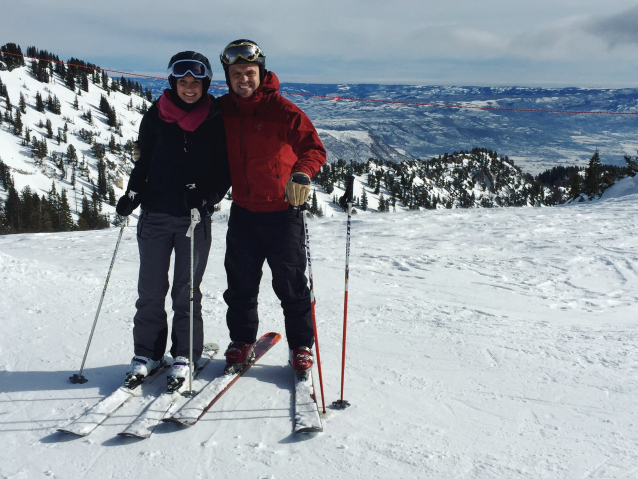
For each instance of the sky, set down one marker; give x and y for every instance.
(583, 43)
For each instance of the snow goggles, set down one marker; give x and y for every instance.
(181, 68)
(248, 51)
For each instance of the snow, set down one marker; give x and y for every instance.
(19, 157)
(482, 343)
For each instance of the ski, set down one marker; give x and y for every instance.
(197, 406)
(307, 417)
(147, 421)
(100, 412)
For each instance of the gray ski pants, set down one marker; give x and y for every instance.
(158, 235)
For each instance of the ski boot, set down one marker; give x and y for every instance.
(178, 373)
(301, 360)
(237, 356)
(140, 368)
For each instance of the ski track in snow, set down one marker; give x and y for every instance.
(481, 344)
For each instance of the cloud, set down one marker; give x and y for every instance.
(356, 41)
(619, 29)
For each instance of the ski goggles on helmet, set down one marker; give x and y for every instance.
(247, 51)
(181, 68)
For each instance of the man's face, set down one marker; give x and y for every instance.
(244, 78)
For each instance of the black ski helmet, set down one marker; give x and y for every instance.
(260, 60)
(190, 55)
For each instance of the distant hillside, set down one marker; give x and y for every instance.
(67, 131)
(535, 141)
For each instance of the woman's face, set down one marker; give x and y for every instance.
(189, 88)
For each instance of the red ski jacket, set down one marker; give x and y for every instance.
(268, 138)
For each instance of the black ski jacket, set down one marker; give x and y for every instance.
(172, 158)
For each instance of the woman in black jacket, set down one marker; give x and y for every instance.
(182, 166)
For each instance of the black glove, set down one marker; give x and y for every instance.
(128, 203)
(347, 196)
(136, 150)
(195, 199)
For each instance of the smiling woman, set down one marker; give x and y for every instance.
(181, 173)
(189, 89)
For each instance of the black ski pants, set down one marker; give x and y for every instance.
(158, 236)
(278, 238)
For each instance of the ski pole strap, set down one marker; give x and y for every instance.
(349, 193)
(195, 219)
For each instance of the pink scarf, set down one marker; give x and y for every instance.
(187, 120)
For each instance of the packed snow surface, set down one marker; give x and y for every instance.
(483, 343)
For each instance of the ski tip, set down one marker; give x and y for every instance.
(73, 433)
(308, 430)
(211, 347)
(128, 434)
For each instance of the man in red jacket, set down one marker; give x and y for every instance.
(273, 152)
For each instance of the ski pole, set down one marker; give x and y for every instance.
(78, 378)
(346, 199)
(304, 210)
(195, 218)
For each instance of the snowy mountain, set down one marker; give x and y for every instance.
(358, 145)
(350, 130)
(79, 123)
(535, 141)
(482, 343)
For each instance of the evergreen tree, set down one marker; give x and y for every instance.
(88, 116)
(39, 149)
(364, 201)
(314, 207)
(112, 200)
(98, 150)
(101, 178)
(70, 80)
(49, 128)
(85, 83)
(381, 206)
(39, 103)
(66, 220)
(54, 105)
(12, 208)
(592, 175)
(71, 154)
(15, 59)
(17, 124)
(76, 104)
(53, 207)
(84, 218)
(22, 104)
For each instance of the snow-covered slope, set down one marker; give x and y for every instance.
(26, 171)
(358, 145)
(484, 343)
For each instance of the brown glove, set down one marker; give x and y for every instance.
(298, 188)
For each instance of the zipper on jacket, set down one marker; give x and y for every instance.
(242, 126)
